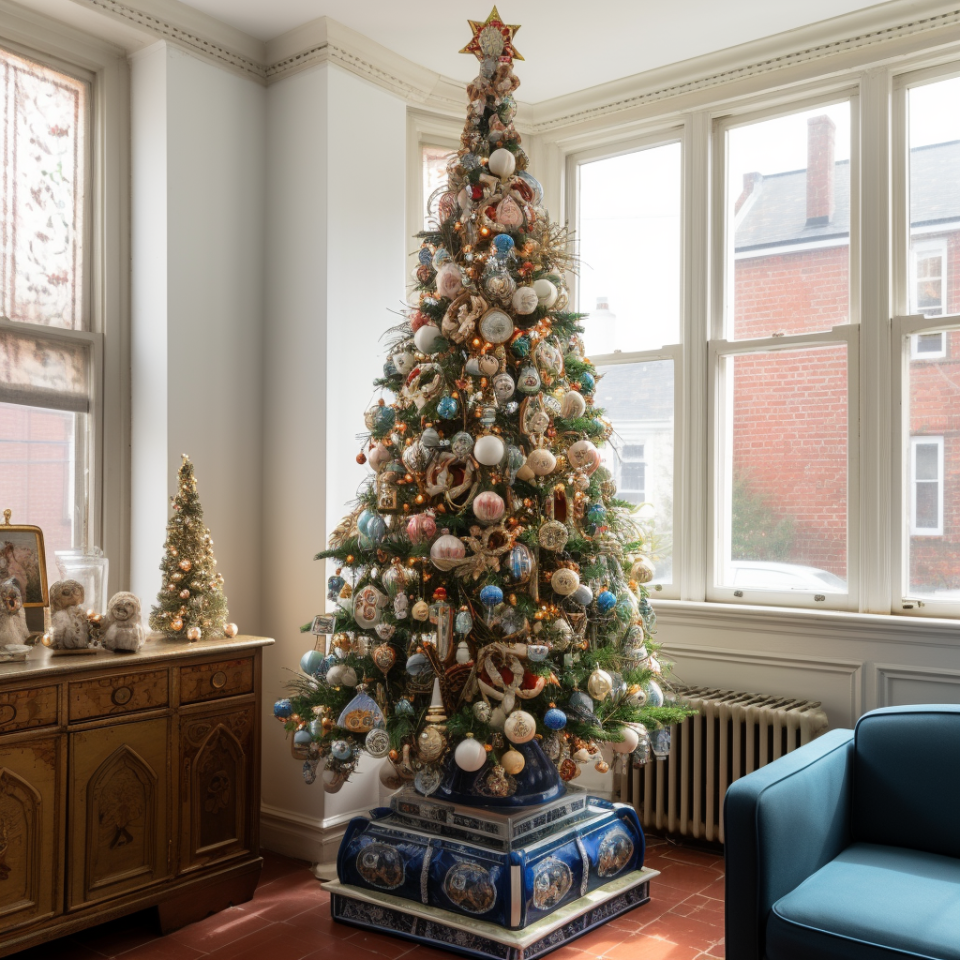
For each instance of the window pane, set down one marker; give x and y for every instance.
(42, 117)
(928, 461)
(52, 372)
(638, 400)
(928, 343)
(38, 474)
(629, 245)
(788, 206)
(433, 172)
(785, 452)
(928, 506)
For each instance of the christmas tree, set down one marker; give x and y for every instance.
(491, 599)
(191, 601)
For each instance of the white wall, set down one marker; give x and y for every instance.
(198, 160)
(335, 254)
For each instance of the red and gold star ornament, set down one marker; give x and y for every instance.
(492, 38)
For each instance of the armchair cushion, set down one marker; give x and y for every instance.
(906, 778)
(871, 902)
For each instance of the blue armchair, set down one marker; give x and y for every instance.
(850, 846)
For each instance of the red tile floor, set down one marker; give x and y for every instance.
(289, 919)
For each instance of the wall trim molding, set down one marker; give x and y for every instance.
(887, 673)
(297, 835)
(325, 40)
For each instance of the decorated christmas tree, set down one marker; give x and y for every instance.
(191, 601)
(492, 626)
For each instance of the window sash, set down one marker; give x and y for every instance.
(917, 483)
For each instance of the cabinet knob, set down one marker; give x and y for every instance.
(219, 679)
(122, 695)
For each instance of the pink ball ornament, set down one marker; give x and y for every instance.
(421, 528)
(488, 507)
(446, 551)
(449, 281)
(583, 455)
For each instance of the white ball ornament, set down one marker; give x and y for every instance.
(489, 450)
(513, 762)
(520, 727)
(446, 551)
(502, 163)
(488, 507)
(427, 338)
(629, 743)
(541, 462)
(583, 455)
(546, 292)
(404, 361)
(470, 755)
(573, 405)
(600, 684)
(525, 300)
(564, 582)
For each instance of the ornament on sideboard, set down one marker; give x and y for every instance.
(70, 627)
(13, 621)
(121, 627)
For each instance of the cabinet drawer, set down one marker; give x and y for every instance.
(23, 709)
(123, 694)
(210, 681)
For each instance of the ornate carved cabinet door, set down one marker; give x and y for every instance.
(216, 757)
(120, 809)
(30, 855)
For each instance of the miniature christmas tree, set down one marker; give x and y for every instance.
(493, 628)
(191, 601)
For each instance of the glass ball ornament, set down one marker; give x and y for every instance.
(482, 711)
(470, 754)
(520, 563)
(521, 346)
(341, 750)
(463, 622)
(462, 444)
(446, 551)
(311, 662)
(512, 762)
(631, 738)
(654, 693)
(425, 256)
(383, 418)
(503, 243)
(553, 535)
(520, 727)
(489, 450)
(596, 513)
(428, 338)
(283, 709)
(572, 405)
(417, 664)
(642, 570)
(582, 595)
(502, 163)
(421, 528)
(606, 601)
(448, 407)
(316, 728)
(363, 520)
(564, 582)
(488, 507)
(430, 438)
(583, 455)
(376, 529)
(599, 684)
(524, 302)
(587, 382)
(542, 462)
(660, 742)
(555, 719)
(546, 291)
(421, 611)
(528, 380)
(377, 743)
(491, 595)
(537, 652)
(302, 738)
(403, 708)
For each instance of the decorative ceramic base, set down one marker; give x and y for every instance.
(477, 938)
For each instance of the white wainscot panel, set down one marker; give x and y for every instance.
(899, 684)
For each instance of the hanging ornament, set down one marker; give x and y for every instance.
(341, 750)
(546, 292)
(384, 657)
(564, 582)
(283, 709)
(470, 754)
(448, 408)
(520, 563)
(555, 719)
(542, 462)
(416, 458)
(488, 364)
(520, 727)
(525, 300)
(572, 405)
(654, 693)
(508, 214)
(583, 455)
(512, 762)
(428, 338)
(428, 780)
(582, 595)
(403, 708)
(488, 507)
(421, 611)
(501, 163)
(368, 606)
(377, 743)
(432, 743)
(537, 652)
(503, 387)
(489, 450)
(660, 742)
(553, 535)
(311, 662)
(361, 715)
(631, 738)
(449, 283)
(340, 675)
(642, 570)
(421, 528)
(499, 286)
(482, 711)
(447, 551)
(606, 601)
(463, 622)
(599, 684)
(495, 327)
(528, 380)
(461, 445)
(404, 361)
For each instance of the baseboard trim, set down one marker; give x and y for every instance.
(302, 837)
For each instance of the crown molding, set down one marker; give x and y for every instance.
(889, 25)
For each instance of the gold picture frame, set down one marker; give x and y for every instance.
(23, 559)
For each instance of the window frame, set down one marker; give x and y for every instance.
(661, 135)
(424, 130)
(918, 440)
(106, 279)
(939, 244)
(719, 349)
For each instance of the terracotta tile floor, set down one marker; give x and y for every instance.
(289, 919)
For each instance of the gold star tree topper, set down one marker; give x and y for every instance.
(493, 38)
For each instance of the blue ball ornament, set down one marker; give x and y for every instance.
(311, 662)
(316, 728)
(403, 708)
(417, 664)
(521, 346)
(596, 513)
(448, 407)
(425, 256)
(341, 750)
(463, 622)
(606, 601)
(555, 719)
(334, 585)
(503, 243)
(283, 709)
(377, 529)
(587, 383)
(365, 517)
(302, 738)
(490, 595)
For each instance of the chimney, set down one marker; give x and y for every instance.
(821, 142)
(750, 183)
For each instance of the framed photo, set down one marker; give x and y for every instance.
(22, 558)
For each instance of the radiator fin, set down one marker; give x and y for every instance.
(732, 735)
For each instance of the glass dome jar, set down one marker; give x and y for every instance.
(90, 569)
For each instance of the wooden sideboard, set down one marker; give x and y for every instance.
(128, 781)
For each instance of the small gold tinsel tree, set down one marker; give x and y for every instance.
(191, 601)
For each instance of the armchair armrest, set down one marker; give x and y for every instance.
(782, 823)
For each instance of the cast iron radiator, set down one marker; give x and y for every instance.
(732, 735)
